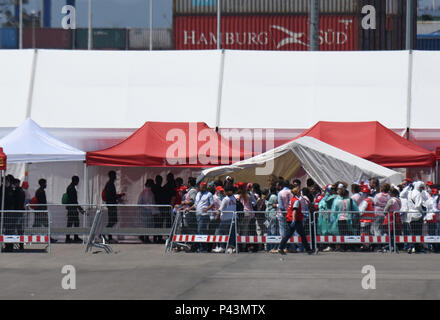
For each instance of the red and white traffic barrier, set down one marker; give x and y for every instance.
(417, 239)
(375, 239)
(268, 239)
(24, 239)
(338, 239)
(199, 238)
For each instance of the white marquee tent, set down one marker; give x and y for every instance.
(324, 163)
(106, 95)
(94, 99)
(46, 157)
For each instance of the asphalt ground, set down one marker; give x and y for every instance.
(145, 271)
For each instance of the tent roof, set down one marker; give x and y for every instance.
(30, 143)
(372, 141)
(324, 163)
(170, 144)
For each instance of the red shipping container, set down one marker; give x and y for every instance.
(265, 32)
(47, 38)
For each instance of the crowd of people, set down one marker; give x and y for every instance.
(283, 209)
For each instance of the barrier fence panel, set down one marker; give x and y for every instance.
(136, 220)
(96, 232)
(416, 231)
(384, 231)
(258, 228)
(25, 227)
(347, 229)
(68, 219)
(210, 231)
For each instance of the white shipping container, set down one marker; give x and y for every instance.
(139, 39)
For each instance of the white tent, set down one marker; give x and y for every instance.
(46, 157)
(29, 143)
(324, 163)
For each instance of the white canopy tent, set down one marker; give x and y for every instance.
(322, 162)
(31, 145)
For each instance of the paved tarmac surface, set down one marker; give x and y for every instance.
(137, 271)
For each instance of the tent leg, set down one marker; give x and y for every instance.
(436, 171)
(86, 191)
(3, 175)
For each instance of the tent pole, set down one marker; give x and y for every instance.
(86, 196)
(220, 90)
(3, 198)
(31, 85)
(86, 183)
(436, 172)
(409, 94)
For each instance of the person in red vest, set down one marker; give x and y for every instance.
(366, 209)
(294, 221)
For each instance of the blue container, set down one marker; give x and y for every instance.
(428, 42)
(8, 38)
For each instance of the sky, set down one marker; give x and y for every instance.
(113, 13)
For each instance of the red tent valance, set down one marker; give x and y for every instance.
(170, 144)
(372, 141)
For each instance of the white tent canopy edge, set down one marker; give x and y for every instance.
(324, 163)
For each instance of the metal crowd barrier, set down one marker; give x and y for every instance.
(137, 220)
(118, 219)
(96, 232)
(194, 231)
(335, 227)
(25, 227)
(353, 227)
(342, 228)
(253, 229)
(67, 219)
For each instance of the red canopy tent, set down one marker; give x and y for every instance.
(170, 144)
(372, 141)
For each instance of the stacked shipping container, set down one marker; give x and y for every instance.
(265, 32)
(139, 39)
(246, 25)
(283, 24)
(8, 38)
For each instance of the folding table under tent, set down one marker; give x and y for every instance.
(31, 144)
(324, 163)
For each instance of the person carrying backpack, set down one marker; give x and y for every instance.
(72, 209)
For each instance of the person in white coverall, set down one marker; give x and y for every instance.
(416, 210)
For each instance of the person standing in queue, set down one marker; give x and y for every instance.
(72, 211)
(112, 198)
(294, 220)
